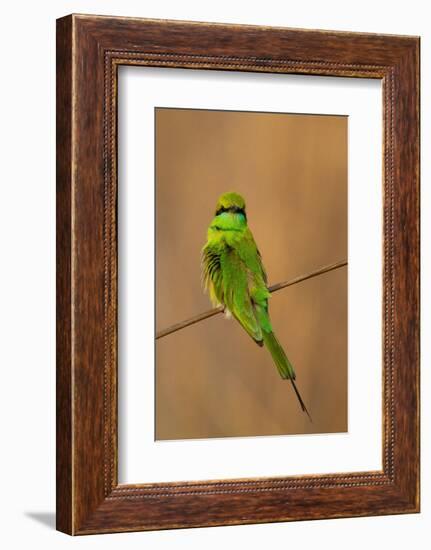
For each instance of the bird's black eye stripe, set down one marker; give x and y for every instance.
(221, 210)
(233, 209)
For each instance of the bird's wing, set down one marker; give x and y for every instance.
(236, 278)
(211, 274)
(251, 256)
(257, 283)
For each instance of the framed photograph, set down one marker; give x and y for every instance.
(237, 274)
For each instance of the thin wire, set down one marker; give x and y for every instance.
(273, 288)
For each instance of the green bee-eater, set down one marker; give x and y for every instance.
(235, 278)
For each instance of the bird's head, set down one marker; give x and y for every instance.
(231, 202)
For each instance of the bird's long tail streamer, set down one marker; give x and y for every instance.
(283, 365)
(301, 402)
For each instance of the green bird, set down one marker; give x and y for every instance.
(234, 275)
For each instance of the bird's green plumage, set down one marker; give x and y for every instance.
(234, 275)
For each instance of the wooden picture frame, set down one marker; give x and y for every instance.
(89, 51)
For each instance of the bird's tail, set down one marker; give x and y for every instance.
(281, 361)
(283, 364)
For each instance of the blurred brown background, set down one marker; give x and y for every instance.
(211, 379)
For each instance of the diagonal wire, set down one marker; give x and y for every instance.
(274, 288)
